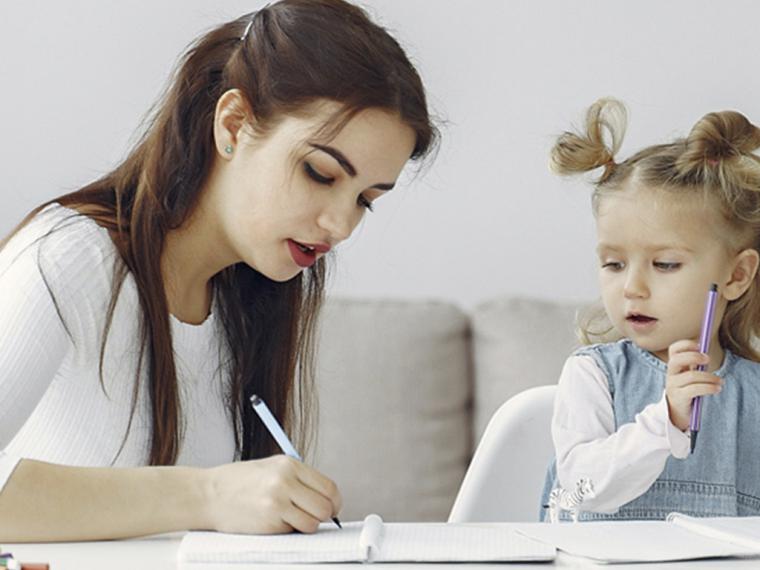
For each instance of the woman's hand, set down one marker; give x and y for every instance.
(684, 382)
(273, 495)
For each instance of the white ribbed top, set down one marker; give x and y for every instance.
(54, 407)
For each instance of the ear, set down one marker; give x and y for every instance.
(231, 115)
(744, 269)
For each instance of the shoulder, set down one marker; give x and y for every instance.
(61, 238)
(581, 368)
(735, 364)
(65, 254)
(613, 357)
(583, 382)
(610, 360)
(620, 347)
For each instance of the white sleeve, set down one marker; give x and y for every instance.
(622, 464)
(33, 343)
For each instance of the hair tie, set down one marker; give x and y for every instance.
(250, 22)
(713, 161)
(247, 28)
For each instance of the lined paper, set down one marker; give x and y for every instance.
(329, 544)
(395, 542)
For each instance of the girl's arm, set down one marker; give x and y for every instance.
(622, 464)
(45, 502)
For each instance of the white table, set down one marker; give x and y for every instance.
(160, 553)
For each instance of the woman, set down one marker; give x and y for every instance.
(140, 313)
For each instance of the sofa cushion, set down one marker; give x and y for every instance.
(517, 344)
(393, 381)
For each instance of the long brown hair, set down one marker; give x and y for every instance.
(281, 58)
(715, 163)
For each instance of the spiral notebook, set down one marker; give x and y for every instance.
(369, 541)
(680, 537)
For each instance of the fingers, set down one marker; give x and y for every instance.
(684, 355)
(310, 491)
(273, 495)
(693, 377)
(694, 389)
(314, 499)
(684, 381)
(682, 346)
(324, 486)
(314, 505)
(300, 520)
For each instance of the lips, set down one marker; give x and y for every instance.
(305, 254)
(639, 319)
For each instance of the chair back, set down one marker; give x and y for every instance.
(506, 475)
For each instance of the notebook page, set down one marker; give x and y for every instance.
(631, 541)
(328, 544)
(744, 531)
(443, 542)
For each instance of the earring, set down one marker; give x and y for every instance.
(228, 149)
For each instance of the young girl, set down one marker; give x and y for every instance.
(671, 220)
(139, 314)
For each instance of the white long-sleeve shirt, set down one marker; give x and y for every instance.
(622, 463)
(54, 294)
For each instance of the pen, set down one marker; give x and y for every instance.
(704, 347)
(274, 427)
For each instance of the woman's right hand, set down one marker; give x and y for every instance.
(273, 495)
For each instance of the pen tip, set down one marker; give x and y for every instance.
(337, 522)
(714, 287)
(693, 440)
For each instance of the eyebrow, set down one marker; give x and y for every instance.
(659, 247)
(346, 165)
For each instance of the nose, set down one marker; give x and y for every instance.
(339, 221)
(635, 286)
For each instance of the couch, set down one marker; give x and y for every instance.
(406, 389)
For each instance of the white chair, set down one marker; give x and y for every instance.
(506, 475)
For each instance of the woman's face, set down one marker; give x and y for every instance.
(283, 199)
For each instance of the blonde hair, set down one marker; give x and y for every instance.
(714, 162)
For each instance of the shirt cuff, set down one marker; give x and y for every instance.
(678, 441)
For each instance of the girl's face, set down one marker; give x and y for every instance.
(282, 200)
(658, 255)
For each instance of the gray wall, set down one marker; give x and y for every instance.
(487, 218)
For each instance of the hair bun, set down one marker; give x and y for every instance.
(605, 126)
(723, 135)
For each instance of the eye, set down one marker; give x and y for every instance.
(667, 265)
(364, 203)
(613, 265)
(316, 176)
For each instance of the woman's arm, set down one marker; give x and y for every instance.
(45, 502)
(33, 341)
(622, 463)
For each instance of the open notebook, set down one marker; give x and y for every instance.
(369, 541)
(680, 537)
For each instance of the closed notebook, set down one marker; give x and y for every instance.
(369, 541)
(680, 537)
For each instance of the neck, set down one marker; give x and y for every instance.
(192, 255)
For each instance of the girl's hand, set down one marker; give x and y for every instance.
(273, 495)
(683, 382)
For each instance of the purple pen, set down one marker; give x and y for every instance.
(704, 347)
